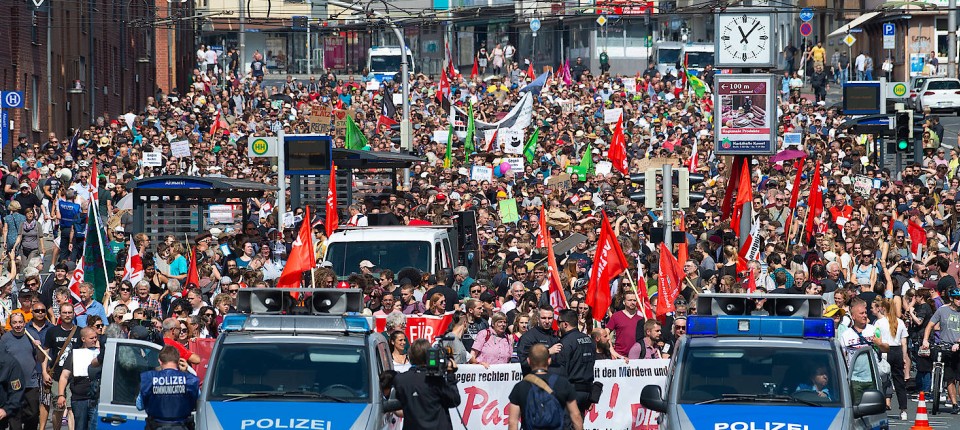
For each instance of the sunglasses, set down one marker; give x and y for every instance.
(177, 311)
(233, 291)
(98, 325)
(39, 310)
(681, 328)
(208, 315)
(474, 291)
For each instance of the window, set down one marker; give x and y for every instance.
(35, 102)
(393, 255)
(271, 371)
(132, 360)
(862, 377)
(944, 85)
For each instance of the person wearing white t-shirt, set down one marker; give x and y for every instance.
(860, 334)
(893, 332)
(210, 57)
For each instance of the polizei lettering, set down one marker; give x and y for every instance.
(169, 384)
(286, 423)
(742, 425)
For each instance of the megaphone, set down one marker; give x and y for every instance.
(262, 300)
(337, 301)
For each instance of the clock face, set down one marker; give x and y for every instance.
(744, 40)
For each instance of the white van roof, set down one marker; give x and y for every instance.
(377, 234)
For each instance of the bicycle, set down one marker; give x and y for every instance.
(936, 378)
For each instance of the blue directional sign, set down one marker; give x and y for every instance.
(4, 129)
(889, 29)
(11, 99)
(806, 14)
(535, 24)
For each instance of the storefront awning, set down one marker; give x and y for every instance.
(853, 24)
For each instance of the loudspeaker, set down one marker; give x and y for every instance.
(336, 301)
(263, 301)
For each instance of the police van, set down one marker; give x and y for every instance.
(429, 249)
(766, 362)
(279, 364)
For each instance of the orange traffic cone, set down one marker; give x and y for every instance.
(921, 422)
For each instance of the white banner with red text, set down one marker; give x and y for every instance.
(484, 395)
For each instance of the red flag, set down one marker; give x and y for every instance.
(693, 161)
(493, 139)
(339, 103)
(75, 280)
(751, 247)
(608, 264)
(530, 72)
(744, 196)
(642, 292)
(476, 70)
(94, 185)
(794, 196)
(218, 123)
(668, 285)
(815, 201)
(618, 148)
(333, 218)
(725, 209)
(541, 241)
(557, 300)
(443, 87)
(301, 258)
(193, 275)
(751, 282)
(918, 236)
(683, 254)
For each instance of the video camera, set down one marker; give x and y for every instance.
(439, 356)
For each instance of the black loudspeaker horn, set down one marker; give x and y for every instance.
(336, 301)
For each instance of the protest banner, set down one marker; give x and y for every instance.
(508, 211)
(427, 327)
(484, 395)
(516, 164)
(481, 173)
(511, 140)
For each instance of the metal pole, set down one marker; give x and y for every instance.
(668, 206)
(281, 177)
(309, 50)
(242, 40)
(952, 39)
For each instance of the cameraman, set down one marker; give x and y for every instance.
(426, 396)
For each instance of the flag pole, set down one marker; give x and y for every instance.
(103, 257)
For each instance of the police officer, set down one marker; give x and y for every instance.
(541, 333)
(426, 397)
(576, 358)
(11, 387)
(169, 395)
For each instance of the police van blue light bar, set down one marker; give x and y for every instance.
(753, 325)
(359, 324)
(234, 322)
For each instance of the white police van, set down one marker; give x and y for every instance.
(385, 62)
(429, 249)
(279, 365)
(766, 362)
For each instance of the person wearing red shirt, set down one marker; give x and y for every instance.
(171, 330)
(624, 324)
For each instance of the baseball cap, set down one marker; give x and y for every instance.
(832, 310)
(488, 297)
(366, 264)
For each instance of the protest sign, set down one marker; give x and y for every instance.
(152, 159)
(602, 168)
(611, 116)
(516, 164)
(862, 185)
(510, 140)
(419, 327)
(508, 211)
(481, 173)
(180, 148)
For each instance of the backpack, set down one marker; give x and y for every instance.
(543, 410)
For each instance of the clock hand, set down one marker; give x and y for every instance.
(750, 32)
(744, 36)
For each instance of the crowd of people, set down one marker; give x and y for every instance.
(890, 244)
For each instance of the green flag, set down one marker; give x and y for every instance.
(448, 157)
(530, 148)
(98, 261)
(698, 86)
(586, 162)
(468, 145)
(355, 138)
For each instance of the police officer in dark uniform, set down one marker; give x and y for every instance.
(11, 387)
(169, 395)
(576, 358)
(541, 333)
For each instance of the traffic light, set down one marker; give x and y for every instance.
(684, 180)
(395, 138)
(903, 124)
(648, 182)
(299, 22)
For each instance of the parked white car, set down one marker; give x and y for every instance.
(939, 94)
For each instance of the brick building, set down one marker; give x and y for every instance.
(75, 61)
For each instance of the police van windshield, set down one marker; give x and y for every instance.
(759, 375)
(393, 255)
(699, 60)
(271, 371)
(668, 55)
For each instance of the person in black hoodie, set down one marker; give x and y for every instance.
(541, 333)
(426, 398)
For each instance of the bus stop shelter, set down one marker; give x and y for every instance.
(188, 205)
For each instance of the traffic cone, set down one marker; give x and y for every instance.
(921, 423)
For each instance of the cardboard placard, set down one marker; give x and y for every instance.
(611, 116)
(180, 148)
(152, 159)
(508, 211)
(651, 163)
(602, 168)
(373, 85)
(340, 118)
(481, 173)
(516, 164)
(559, 182)
(630, 85)
(510, 140)
(397, 100)
(862, 185)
